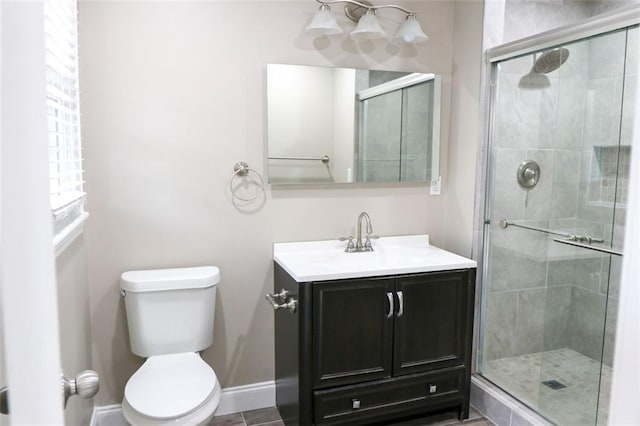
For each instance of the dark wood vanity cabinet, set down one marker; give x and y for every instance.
(360, 351)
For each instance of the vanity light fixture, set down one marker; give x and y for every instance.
(323, 22)
(368, 28)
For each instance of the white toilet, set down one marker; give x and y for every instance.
(170, 318)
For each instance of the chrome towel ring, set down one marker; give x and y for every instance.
(242, 169)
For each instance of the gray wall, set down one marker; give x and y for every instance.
(172, 97)
(465, 126)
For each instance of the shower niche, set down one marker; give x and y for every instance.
(550, 283)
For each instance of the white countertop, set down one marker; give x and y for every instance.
(327, 260)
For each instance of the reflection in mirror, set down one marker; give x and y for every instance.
(339, 125)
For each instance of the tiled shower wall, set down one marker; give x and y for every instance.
(398, 128)
(523, 18)
(543, 295)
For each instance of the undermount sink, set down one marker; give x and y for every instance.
(327, 260)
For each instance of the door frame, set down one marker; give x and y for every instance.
(27, 282)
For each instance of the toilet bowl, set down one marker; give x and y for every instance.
(174, 389)
(170, 319)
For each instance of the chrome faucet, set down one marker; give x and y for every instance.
(366, 246)
(360, 246)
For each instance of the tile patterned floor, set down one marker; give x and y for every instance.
(271, 417)
(573, 405)
(262, 417)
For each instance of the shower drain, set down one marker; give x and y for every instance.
(554, 384)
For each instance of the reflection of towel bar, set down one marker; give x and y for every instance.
(324, 158)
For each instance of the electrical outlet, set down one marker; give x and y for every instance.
(435, 186)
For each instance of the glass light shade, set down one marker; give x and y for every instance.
(368, 27)
(323, 23)
(410, 31)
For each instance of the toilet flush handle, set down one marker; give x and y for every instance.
(86, 385)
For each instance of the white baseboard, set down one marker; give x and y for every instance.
(108, 415)
(247, 397)
(232, 400)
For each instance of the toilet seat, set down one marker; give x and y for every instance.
(170, 386)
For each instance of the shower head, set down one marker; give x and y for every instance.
(551, 60)
(534, 80)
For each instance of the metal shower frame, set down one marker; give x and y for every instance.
(622, 18)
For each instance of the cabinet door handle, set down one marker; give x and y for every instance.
(390, 297)
(401, 303)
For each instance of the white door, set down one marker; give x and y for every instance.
(31, 347)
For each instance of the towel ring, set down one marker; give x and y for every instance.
(242, 169)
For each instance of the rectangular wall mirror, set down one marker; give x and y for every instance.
(342, 125)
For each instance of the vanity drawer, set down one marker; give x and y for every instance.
(369, 401)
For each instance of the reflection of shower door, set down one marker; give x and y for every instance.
(395, 142)
(550, 298)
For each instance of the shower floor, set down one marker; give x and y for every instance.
(574, 404)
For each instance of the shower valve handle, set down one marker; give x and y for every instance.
(530, 174)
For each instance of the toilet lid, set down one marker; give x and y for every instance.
(168, 386)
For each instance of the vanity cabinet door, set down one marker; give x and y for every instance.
(432, 321)
(352, 331)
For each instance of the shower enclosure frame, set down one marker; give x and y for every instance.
(620, 19)
(401, 84)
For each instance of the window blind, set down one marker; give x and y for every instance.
(63, 114)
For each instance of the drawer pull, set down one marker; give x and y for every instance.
(355, 404)
(433, 389)
(390, 297)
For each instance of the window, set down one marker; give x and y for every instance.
(63, 116)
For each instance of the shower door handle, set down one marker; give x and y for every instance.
(574, 243)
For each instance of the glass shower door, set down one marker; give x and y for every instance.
(554, 217)
(380, 138)
(417, 137)
(397, 134)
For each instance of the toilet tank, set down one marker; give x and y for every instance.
(170, 310)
